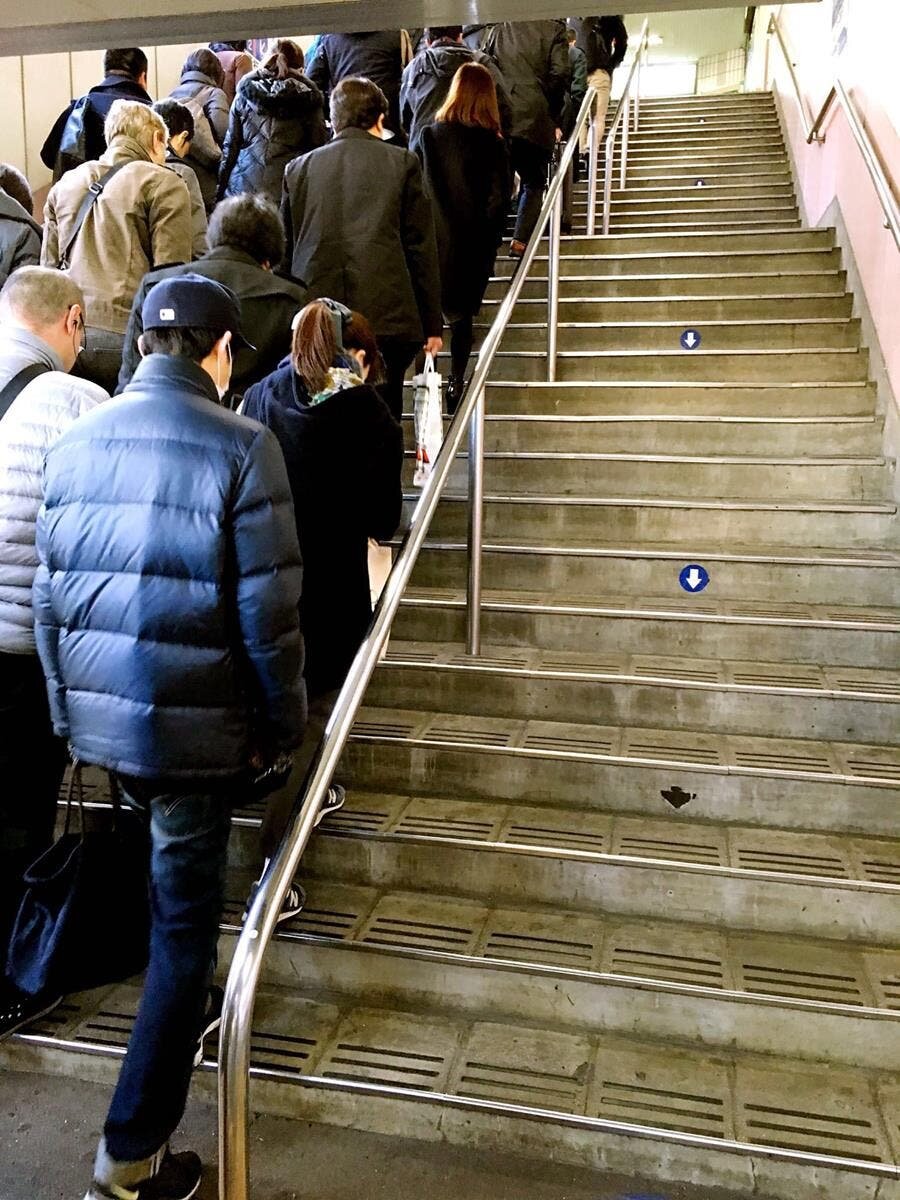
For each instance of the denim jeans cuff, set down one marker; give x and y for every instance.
(111, 1172)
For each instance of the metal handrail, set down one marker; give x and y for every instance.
(243, 977)
(621, 116)
(814, 133)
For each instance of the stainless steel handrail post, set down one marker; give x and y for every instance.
(476, 526)
(593, 153)
(259, 926)
(607, 179)
(622, 110)
(555, 240)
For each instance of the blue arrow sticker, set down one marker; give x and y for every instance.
(690, 339)
(693, 577)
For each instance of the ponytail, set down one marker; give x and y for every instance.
(285, 60)
(314, 347)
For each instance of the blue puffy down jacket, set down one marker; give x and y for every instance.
(166, 603)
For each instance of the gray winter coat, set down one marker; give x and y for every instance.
(205, 99)
(534, 59)
(20, 238)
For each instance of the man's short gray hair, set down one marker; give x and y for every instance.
(131, 118)
(38, 296)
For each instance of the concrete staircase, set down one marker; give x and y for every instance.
(625, 891)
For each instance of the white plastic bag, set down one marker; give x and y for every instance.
(429, 420)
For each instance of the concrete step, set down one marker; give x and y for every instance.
(828, 281)
(657, 979)
(696, 242)
(673, 622)
(690, 521)
(681, 177)
(589, 473)
(602, 398)
(700, 435)
(755, 697)
(687, 222)
(736, 366)
(765, 332)
(600, 1100)
(699, 200)
(582, 263)
(665, 193)
(644, 162)
(701, 134)
(800, 785)
(688, 312)
(767, 881)
(757, 574)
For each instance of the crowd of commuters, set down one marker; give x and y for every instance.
(202, 358)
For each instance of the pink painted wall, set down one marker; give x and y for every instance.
(869, 68)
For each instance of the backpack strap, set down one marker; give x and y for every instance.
(93, 194)
(17, 384)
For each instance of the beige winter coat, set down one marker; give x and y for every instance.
(140, 222)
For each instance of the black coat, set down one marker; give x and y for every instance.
(268, 305)
(103, 97)
(360, 225)
(272, 121)
(534, 59)
(376, 56)
(20, 238)
(604, 41)
(467, 176)
(344, 457)
(426, 84)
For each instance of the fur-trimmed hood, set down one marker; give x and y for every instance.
(296, 96)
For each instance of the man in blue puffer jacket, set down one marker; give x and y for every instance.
(166, 612)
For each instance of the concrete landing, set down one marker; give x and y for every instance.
(49, 1129)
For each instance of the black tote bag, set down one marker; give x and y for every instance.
(84, 920)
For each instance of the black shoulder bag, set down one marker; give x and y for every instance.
(84, 920)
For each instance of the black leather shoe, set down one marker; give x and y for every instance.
(454, 393)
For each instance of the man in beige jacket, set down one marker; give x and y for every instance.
(140, 220)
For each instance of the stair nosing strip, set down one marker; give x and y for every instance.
(606, 858)
(869, 508)
(670, 555)
(668, 764)
(606, 978)
(584, 675)
(472, 1103)
(595, 610)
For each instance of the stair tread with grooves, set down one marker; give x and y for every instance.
(810, 972)
(875, 766)
(790, 678)
(442, 1065)
(687, 608)
(811, 504)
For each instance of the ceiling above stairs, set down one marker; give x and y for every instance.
(45, 25)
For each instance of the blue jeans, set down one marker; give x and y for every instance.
(188, 842)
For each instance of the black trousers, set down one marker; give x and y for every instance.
(530, 163)
(32, 764)
(398, 355)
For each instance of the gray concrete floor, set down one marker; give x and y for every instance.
(49, 1129)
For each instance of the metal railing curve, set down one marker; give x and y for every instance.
(243, 977)
(813, 130)
(621, 117)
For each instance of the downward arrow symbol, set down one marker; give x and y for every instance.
(694, 577)
(691, 339)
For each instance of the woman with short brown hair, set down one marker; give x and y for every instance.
(467, 175)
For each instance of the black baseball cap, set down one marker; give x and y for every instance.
(194, 302)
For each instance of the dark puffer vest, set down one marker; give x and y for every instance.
(272, 121)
